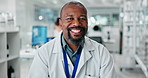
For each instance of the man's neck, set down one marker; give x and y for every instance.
(72, 46)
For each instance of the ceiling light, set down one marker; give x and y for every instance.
(40, 17)
(55, 1)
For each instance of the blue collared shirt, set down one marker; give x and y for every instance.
(72, 55)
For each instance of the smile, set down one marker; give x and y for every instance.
(75, 30)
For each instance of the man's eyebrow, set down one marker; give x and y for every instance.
(68, 15)
(84, 15)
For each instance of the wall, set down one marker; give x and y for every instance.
(25, 19)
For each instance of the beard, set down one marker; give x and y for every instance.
(79, 40)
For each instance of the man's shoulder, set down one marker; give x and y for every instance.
(90, 41)
(49, 43)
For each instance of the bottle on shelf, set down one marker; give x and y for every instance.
(11, 72)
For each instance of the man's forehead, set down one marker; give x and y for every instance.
(71, 15)
(74, 7)
(71, 6)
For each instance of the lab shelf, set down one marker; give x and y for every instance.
(15, 63)
(12, 57)
(3, 71)
(134, 34)
(2, 60)
(9, 51)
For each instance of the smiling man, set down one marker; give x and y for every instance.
(74, 24)
(72, 54)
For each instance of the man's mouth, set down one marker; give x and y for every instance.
(75, 30)
(76, 33)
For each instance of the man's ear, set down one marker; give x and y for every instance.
(60, 22)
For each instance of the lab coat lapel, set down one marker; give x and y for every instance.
(57, 46)
(85, 55)
(58, 50)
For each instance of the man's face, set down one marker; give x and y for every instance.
(74, 22)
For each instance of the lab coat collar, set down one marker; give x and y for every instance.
(85, 55)
(57, 46)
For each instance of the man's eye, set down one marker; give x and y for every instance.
(69, 19)
(83, 19)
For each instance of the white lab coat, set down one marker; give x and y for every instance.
(95, 61)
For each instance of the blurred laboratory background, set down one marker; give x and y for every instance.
(120, 25)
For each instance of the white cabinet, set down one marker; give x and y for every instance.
(9, 51)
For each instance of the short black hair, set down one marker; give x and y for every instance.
(72, 2)
(57, 21)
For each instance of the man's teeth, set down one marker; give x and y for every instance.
(75, 31)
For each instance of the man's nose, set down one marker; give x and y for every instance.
(76, 22)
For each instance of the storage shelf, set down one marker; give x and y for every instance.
(9, 45)
(12, 57)
(2, 60)
(9, 29)
(134, 26)
(2, 29)
(9, 40)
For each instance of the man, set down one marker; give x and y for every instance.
(72, 54)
